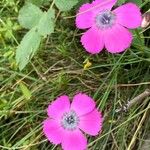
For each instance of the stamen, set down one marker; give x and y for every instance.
(70, 120)
(105, 19)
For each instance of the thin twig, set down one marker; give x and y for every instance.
(38, 73)
(134, 84)
(21, 112)
(135, 100)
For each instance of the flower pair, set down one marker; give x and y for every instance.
(107, 28)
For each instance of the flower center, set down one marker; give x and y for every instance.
(105, 19)
(70, 120)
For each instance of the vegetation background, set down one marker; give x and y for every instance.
(60, 66)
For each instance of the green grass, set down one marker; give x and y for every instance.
(57, 69)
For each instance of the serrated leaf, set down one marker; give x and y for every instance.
(26, 92)
(38, 2)
(27, 48)
(46, 23)
(65, 5)
(29, 15)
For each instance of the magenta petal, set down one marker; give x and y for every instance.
(58, 107)
(74, 140)
(52, 131)
(92, 40)
(117, 39)
(91, 123)
(84, 18)
(100, 5)
(82, 104)
(128, 15)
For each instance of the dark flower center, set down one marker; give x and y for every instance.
(70, 120)
(105, 19)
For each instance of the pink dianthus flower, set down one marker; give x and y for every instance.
(107, 28)
(66, 121)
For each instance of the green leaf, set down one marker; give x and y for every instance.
(29, 16)
(65, 5)
(38, 2)
(138, 37)
(26, 92)
(46, 23)
(27, 48)
(120, 2)
(138, 2)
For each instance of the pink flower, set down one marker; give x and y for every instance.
(107, 28)
(65, 121)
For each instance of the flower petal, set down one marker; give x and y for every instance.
(74, 140)
(91, 123)
(84, 18)
(87, 12)
(103, 4)
(58, 107)
(52, 131)
(128, 15)
(92, 41)
(117, 39)
(82, 104)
